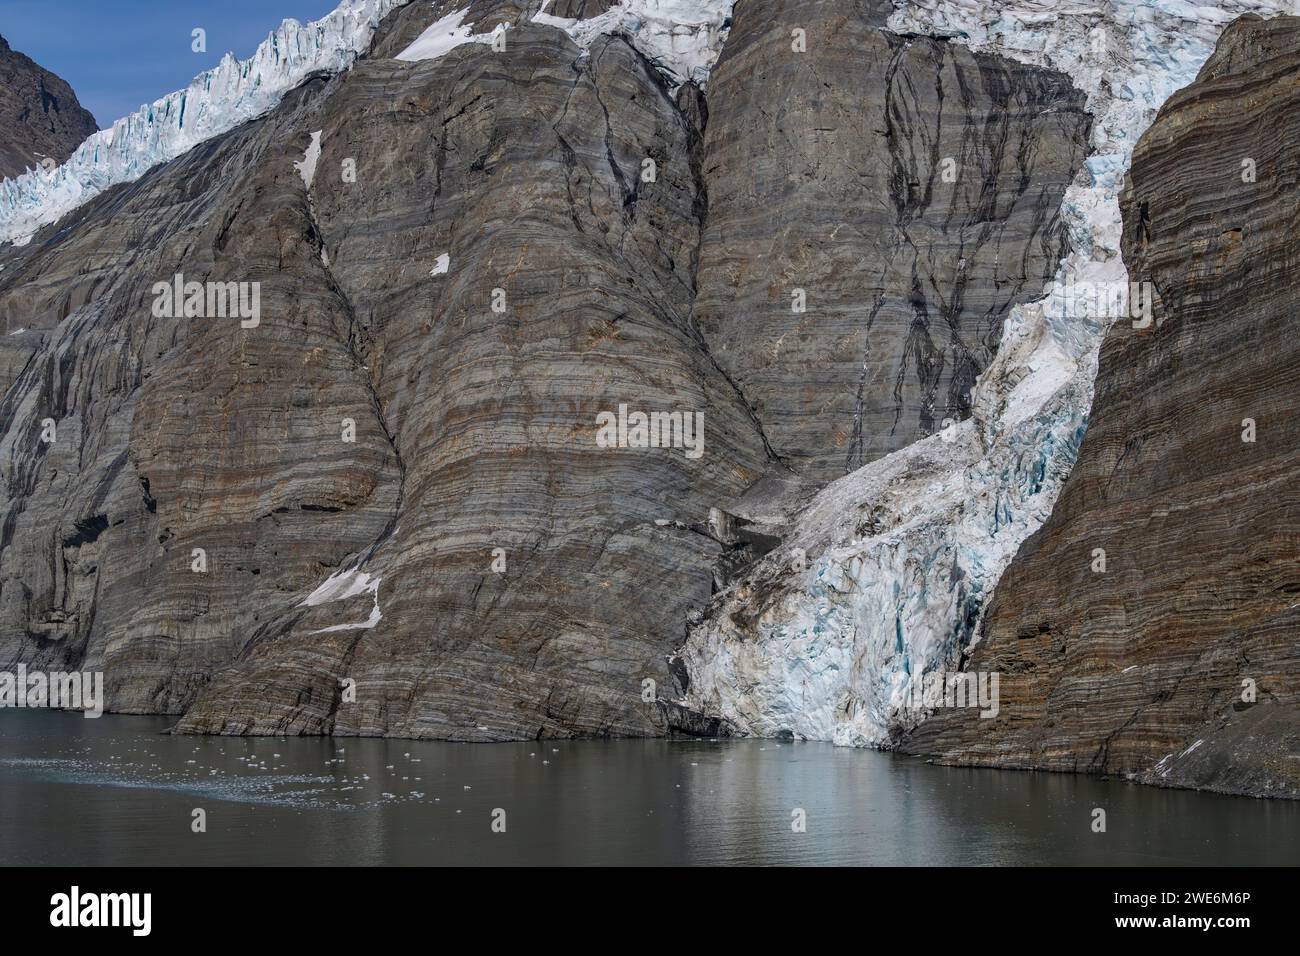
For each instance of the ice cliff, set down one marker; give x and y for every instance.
(216, 101)
(682, 37)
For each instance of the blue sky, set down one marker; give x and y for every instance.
(118, 54)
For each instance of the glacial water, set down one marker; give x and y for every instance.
(120, 791)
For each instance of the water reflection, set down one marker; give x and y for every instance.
(119, 791)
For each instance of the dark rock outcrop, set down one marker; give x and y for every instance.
(40, 118)
(1179, 663)
(579, 9)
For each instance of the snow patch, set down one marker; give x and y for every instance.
(307, 167)
(443, 37)
(341, 586)
(441, 265)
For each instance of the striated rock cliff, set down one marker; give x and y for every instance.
(384, 506)
(525, 173)
(40, 118)
(877, 205)
(474, 428)
(883, 579)
(1151, 627)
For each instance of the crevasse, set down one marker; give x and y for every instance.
(216, 101)
(903, 554)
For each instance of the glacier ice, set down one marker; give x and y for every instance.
(903, 554)
(216, 101)
(682, 37)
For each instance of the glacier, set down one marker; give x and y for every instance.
(682, 37)
(217, 100)
(884, 576)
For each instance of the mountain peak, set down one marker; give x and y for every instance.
(40, 118)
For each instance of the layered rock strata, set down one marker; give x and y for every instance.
(877, 205)
(1150, 628)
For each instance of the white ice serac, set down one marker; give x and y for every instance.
(218, 100)
(904, 554)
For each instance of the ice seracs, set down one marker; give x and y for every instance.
(903, 554)
(683, 37)
(218, 100)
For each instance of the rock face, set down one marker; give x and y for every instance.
(877, 204)
(525, 173)
(579, 9)
(475, 428)
(1179, 663)
(40, 117)
(385, 505)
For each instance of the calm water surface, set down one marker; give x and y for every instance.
(118, 791)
